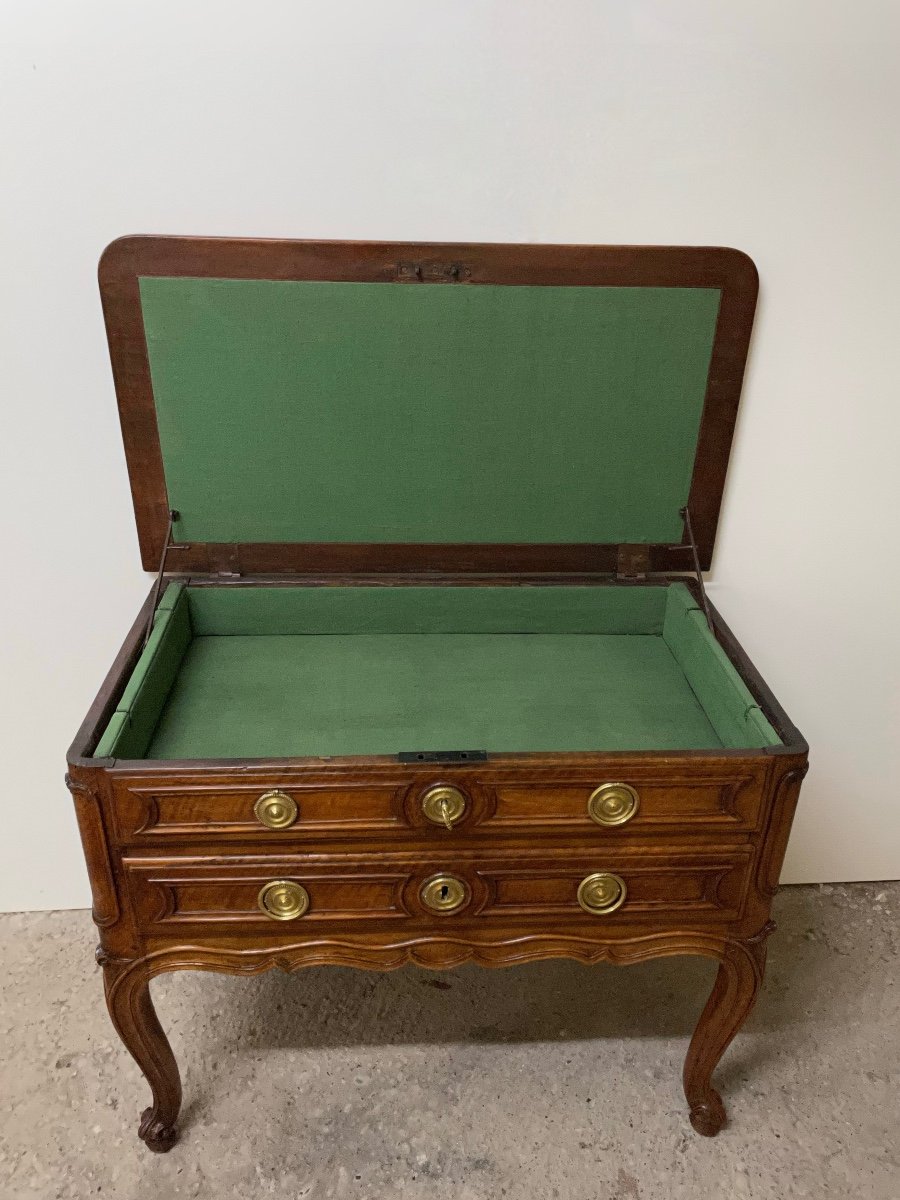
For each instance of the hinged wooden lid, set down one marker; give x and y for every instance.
(357, 406)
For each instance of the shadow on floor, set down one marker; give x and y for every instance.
(557, 1000)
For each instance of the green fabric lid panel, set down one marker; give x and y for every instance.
(367, 412)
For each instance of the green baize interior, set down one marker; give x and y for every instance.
(300, 411)
(297, 671)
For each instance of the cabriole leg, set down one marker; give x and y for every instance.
(127, 988)
(733, 996)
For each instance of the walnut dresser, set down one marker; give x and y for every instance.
(428, 674)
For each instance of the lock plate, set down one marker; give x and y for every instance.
(444, 893)
(444, 805)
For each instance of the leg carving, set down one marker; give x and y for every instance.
(733, 996)
(127, 988)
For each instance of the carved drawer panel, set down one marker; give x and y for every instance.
(728, 800)
(627, 890)
(146, 810)
(448, 808)
(256, 894)
(175, 892)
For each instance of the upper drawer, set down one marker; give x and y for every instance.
(149, 810)
(632, 801)
(465, 804)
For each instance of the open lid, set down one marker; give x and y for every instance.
(360, 406)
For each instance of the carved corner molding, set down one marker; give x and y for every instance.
(787, 792)
(89, 815)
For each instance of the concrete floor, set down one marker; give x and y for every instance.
(545, 1081)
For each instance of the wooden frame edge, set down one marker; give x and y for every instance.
(127, 258)
(91, 729)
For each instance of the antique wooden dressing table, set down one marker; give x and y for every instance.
(428, 674)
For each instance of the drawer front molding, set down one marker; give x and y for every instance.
(728, 802)
(148, 811)
(438, 808)
(656, 888)
(167, 894)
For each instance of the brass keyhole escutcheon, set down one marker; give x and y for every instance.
(444, 805)
(276, 810)
(613, 804)
(601, 893)
(444, 893)
(283, 900)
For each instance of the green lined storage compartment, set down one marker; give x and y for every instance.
(259, 672)
(317, 415)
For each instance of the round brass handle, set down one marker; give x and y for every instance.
(602, 893)
(276, 810)
(444, 805)
(444, 893)
(283, 900)
(612, 804)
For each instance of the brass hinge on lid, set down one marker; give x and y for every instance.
(167, 546)
(230, 566)
(633, 561)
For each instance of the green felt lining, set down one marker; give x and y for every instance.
(294, 671)
(540, 609)
(299, 411)
(140, 704)
(736, 717)
(385, 693)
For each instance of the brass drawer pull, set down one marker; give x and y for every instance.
(444, 893)
(601, 893)
(276, 810)
(613, 804)
(444, 805)
(283, 900)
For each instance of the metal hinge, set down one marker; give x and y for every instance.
(695, 554)
(633, 561)
(167, 546)
(444, 757)
(432, 272)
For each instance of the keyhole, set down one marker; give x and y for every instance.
(445, 891)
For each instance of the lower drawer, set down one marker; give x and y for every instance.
(256, 894)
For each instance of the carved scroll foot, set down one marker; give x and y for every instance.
(157, 1136)
(709, 1116)
(132, 1012)
(733, 996)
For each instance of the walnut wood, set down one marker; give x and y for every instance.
(668, 886)
(734, 993)
(126, 260)
(104, 704)
(335, 808)
(127, 986)
(95, 844)
(177, 857)
(188, 898)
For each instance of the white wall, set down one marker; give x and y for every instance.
(768, 126)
